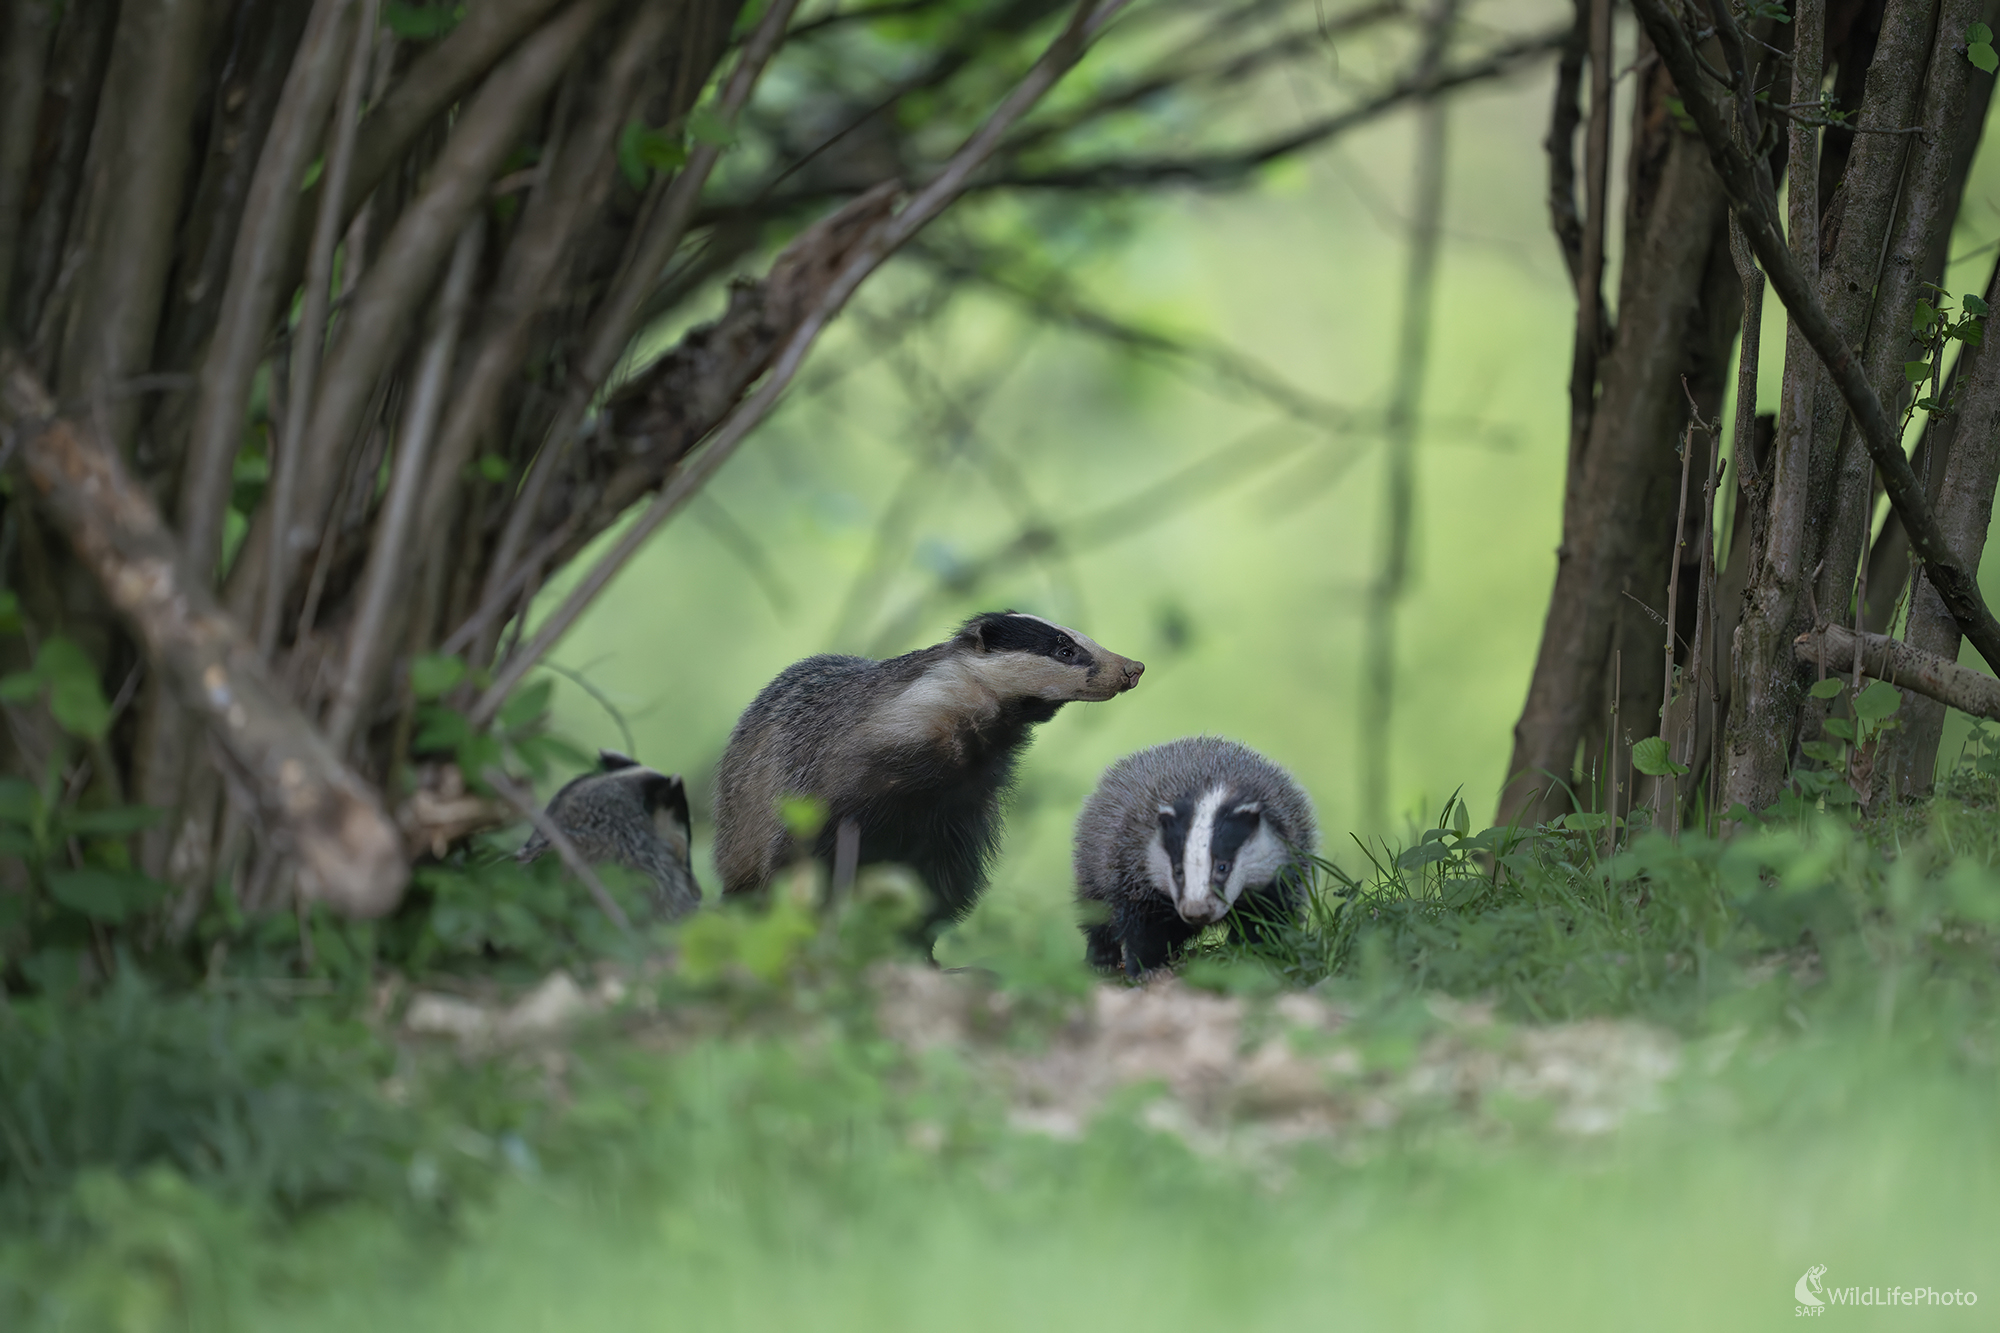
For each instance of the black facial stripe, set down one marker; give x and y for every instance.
(1174, 833)
(1232, 830)
(1010, 632)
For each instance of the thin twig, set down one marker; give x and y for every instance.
(523, 801)
(886, 238)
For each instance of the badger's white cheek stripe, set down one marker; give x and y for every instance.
(1160, 867)
(1258, 861)
(1197, 863)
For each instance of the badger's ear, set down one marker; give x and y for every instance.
(610, 761)
(665, 793)
(973, 634)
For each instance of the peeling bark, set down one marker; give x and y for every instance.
(349, 852)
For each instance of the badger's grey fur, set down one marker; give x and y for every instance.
(629, 815)
(1177, 835)
(917, 751)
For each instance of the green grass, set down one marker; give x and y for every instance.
(759, 1158)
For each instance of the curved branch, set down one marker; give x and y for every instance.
(350, 853)
(1882, 658)
(1747, 180)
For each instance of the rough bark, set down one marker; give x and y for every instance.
(24, 44)
(1968, 442)
(1937, 680)
(349, 852)
(1678, 303)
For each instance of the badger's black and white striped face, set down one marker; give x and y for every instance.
(1210, 847)
(1021, 656)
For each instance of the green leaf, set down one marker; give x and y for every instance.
(526, 705)
(1824, 751)
(1839, 726)
(116, 821)
(105, 895)
(1978, 32)
(419, 23)
(1973, 305)
(1585, 821)
(704, 126)
(1925, 316)
(434, 674)
(803, 815)
(1651, 758)
(1981, 54)
(1827, 688)
(10, 612)
(20, 803)
(20, 687)
(1971, 333)
(440, 729)
(1878, 701)
(493, 467)
(77, 704)
(1916, 372)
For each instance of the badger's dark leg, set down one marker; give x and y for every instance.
(1101, 947)
(1151, 938)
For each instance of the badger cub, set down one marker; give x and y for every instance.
(1177, 835)
(629, 815)
(916, 751)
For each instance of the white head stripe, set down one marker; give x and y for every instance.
(1197, 858)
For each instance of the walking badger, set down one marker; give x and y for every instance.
(629, 815)
(1177, 835)
(916, 751)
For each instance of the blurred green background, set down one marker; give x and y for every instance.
(903, 459)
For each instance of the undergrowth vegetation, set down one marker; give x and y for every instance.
(271, 1151)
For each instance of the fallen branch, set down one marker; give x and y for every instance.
(1882, 658)
(1747, 180)
(349, 853)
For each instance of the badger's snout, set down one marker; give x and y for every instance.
(1202, 911)
(1132, 672)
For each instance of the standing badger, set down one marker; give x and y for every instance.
(629, 815)
(916, 751)
(1177, 835)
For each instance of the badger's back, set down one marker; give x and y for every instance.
(1119, 825)
(634, 817)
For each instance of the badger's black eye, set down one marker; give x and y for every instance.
(1222, 867)
(1064, 650)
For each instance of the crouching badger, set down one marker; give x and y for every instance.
(631, 816)
(916, 752)
(1176, 836)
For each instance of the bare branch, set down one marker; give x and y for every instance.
(26, 47)
(482, 135)
(612, 325)
(349, 852)
(523, 800)
(383, 579)
(878, 244)
(1882, 658)
(1748, 182)
(250, 300)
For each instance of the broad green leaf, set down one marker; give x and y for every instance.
(1972, 334)
(1824, 751)
(1839, 726)
(493, 467)
(1878, 701)
(116, 821)
(16, 844)
(20, 687)
(525, 705)
(78, 705)
(1585, 821)
(1916, 372)
(1974, 305)
(803, 815)
(432, 674)
(105, 895)
(20, 803)
(421, 23)
(1826, 689)
(1925, 316)
(1651, 758)
(1978, 32)
(704, 126)
(1981, 54)
(440, 729)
